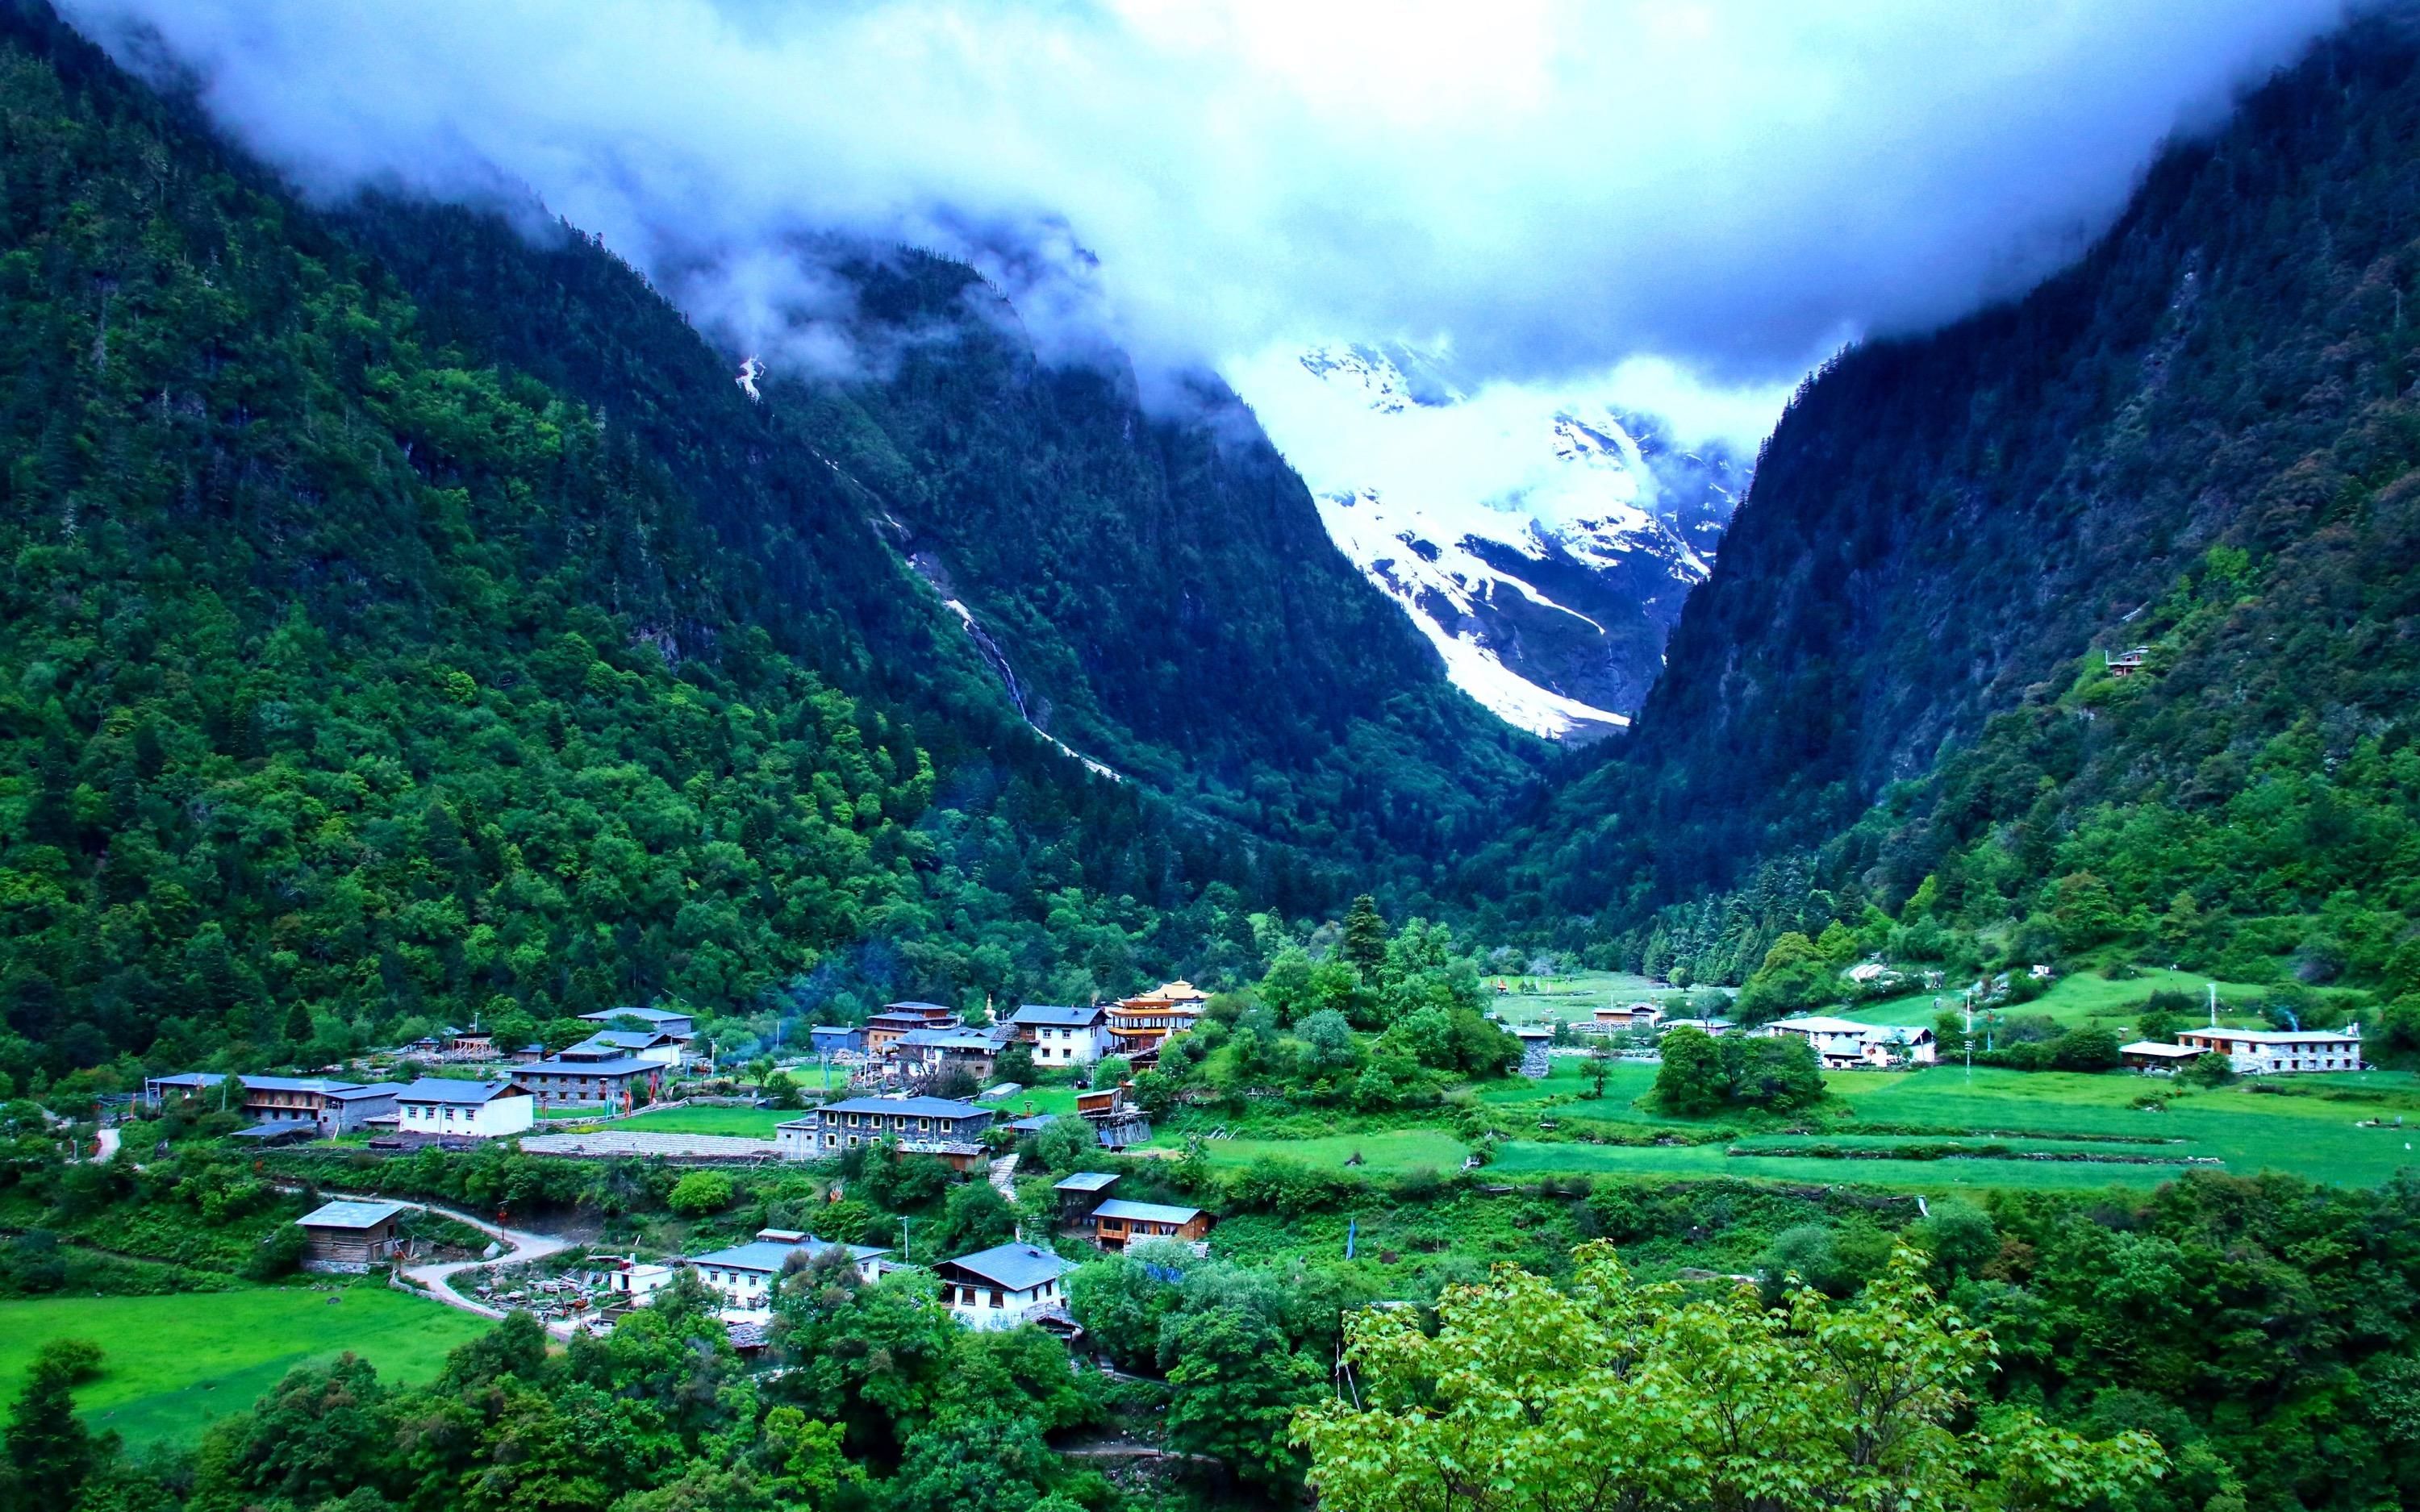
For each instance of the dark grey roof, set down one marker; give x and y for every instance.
(914, 1107)
(1087, 1181)
(292, 1083)
(626, 1067)
(354, 1094)
(626, 1038)
(446, 1089)
(1046, 1013)
(1013, 1267)
(644, 1015)
(768, 1256)
(891, 1008)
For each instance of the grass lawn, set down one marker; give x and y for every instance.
(1574, 997)
(2086, 998)
(1035, 1101)
(2249, 1132)
(1381, 1151)
(745, 1123)
(171, 1365)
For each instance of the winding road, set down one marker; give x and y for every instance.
(439, 1277)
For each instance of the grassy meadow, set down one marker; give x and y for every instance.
(2308, 1126)
(741, 1123)
(171, 1365)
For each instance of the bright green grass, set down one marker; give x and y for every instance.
(171, 1365)
(1574, 997)
(1035, 1101)
(745, 1123)
(1381, 1151)
(2084, 997)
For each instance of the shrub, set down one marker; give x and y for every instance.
(700, 1193)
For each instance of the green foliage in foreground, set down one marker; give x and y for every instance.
(1604, 1393)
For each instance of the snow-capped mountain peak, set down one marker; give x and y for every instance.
(1541, 544)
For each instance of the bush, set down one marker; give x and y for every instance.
(700, 1193)
(280, 1254)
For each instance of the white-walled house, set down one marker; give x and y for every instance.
(2280, 1051)
(749, 1275)
(1842, 1043)
(1002, 1287)
(473, 1110)
(1061, 1035)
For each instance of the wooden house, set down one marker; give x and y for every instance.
(351, 1237)
(1118, 1222)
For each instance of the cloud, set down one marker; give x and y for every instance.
(1726, 187)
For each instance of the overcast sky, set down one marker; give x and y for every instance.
(1730, 187)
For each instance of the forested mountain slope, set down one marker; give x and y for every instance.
(2199, 439)
(363, 661)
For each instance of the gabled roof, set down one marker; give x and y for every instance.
(1149, 1212)
(1012, 1267)
(769, 1255)
(626, 1039)
(355, 1094)
(1086, 1181)
(1045, 1013)
(947, 1040)
(292, 1083)
(2155, 1048)
(625, 1067)
(1818, 1024)
(914, 1107)
(644, 1015)
(460, 1094)
(350, 1215)
(911, 1006)
(189, 1078)
(2280, 1036)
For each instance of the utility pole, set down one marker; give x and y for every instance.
(902, 1241)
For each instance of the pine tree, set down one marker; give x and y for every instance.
(50, 1451)
(1365, 936)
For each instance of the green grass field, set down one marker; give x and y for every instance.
(743, 1123)
(1574, 997)
(171, 1365)
(2247, 1131)
(2084, 997)
(1035, 1101)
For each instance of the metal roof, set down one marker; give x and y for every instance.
(446, 1089)
(354, 1094)
(2155, 1048)
(1086, 1181)
(644, 1015)
(915, 1108)
(626, 1067)
(1155, 1212)
(1046, 1013)
(350, 1215)
(1013, 1267)
(769, 1255)
(292, 1083)
(626, 1038)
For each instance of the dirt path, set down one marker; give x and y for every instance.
(439, 1277)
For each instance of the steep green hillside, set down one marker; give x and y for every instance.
(2200, 439)
(363, 661)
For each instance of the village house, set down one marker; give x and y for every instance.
(2125, 663)
(2156, 1057)
(748, 1275)
(1537, 1049)
(2280, 1051)
(288, 1098)
(349, 1108)
(922, 1125)
(837, 1039)
(930, 1052)
(1704, 1025)
(637, 1279)
(627, 1044)
(1138, 1027)
(1118, 1222)
(470, 1110)
(614, 1085)
(1621, 1018)
(680, 1026)
(1842, 1044)
(347, 1238)
(467, 1044)
(1060, 1036)
(1080, 1194)
(885, 1029)
(158, 1091)
(1002, 1287)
